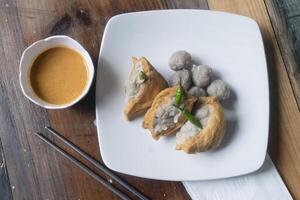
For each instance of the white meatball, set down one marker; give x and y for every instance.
(182, 77)
(219, 89)
(197, 92)
(201, 75)
(180, 60)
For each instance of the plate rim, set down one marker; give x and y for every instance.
(146, 176)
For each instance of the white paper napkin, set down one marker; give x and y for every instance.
(264, 184)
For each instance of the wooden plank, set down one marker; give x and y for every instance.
(28, 162)
(35, 170)
(5, 189)
(285, 18)
(284, 145)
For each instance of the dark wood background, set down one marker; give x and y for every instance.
(35, 171)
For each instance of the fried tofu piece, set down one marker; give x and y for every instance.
(156, 114)
(145, 91)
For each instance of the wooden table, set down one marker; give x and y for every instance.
(31, 170)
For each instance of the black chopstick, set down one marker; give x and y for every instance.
(83, 167)
(97, 164)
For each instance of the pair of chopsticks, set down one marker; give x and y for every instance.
(98, 165)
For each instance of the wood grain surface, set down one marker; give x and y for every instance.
(285, 18)
(38, 172)
(5, 189)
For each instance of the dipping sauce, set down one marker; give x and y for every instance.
(59, 75)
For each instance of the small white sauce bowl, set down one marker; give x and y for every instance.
(34, 50)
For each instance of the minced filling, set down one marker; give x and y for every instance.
(166, 116)
(134, 83)
(189, 130)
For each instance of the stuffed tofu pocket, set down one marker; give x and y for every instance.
(143, 85)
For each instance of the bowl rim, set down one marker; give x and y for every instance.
(83, 52)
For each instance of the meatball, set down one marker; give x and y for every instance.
(219, 89)
(197, 92)
(182, 77)
(180, 60)
(201, 75)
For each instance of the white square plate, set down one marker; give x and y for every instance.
(231, 44)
